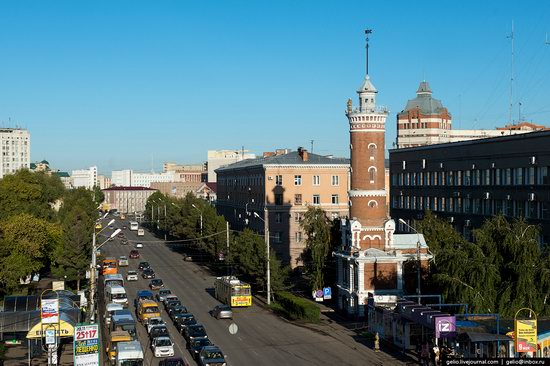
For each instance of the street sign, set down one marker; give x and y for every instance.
(526, 335)
(233, 328)
(327, 293)
(49, 311)
(318, 295)
(50, 336)
(86, 345)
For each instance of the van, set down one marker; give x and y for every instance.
(116, 294)
(141, 232)
(113, 279)
(147, 309)
(110, 309)
(114, 338)
(129, 353)
(123, 322)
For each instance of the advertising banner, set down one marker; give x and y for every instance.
(49, 311)
(86, 345)
(526, 335)
(445, 326)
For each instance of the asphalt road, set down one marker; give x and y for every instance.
(262, 338)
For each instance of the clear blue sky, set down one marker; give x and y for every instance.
(113, 83)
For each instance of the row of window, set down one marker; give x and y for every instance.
(511, 208)
(298, 216)
(316, 180)
(315, 199)
(474, 177)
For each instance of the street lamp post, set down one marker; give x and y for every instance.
(266, 231)
(94, 264)
(418, 264)
(200, 212)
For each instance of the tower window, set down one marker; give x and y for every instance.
(372, 174)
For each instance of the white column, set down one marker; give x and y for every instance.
(399, 276)
(351, 277)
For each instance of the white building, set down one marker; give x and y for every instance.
(86, 178)
(16, 150)
(129, 178)
(219, 158)
(121, 178)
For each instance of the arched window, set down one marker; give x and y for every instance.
(372, 174)
(373, 203)
(372, 151)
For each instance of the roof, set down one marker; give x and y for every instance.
(291, 158)
(62, 174)
(408, 240)
(367, 86)
(487, 337)
(128, 189)
(213, 186)
(424, 101)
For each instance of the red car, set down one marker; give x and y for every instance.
(134, 254)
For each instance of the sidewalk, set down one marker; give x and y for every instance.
(349, 332)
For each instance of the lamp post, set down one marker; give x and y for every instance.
(94, 264)
(200, 212)
(418, 265)
(266, 231)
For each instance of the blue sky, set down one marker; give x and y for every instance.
(120, 84)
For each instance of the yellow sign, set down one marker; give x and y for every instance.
(526, 335)
(64, 329)
(241, 301)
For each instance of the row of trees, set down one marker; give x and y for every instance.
(44, 229)
(246, 257)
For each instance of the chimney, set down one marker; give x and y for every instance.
(303, 154)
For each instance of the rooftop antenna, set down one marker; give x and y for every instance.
(511, 36)
(311, 145)
(367, 33)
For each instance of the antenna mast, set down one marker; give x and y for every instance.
(511, 36)
(367, 32)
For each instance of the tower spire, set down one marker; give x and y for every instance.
(367, 33)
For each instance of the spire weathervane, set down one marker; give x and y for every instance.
(367, 33)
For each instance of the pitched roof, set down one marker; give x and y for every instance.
(424, 101)
(62, 174)
(291, 158)
(128, 189)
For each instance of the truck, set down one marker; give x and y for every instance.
(129, 354)
(115, 338)
(123, 322)
(147, 309)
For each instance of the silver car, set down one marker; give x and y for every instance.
(222, 312)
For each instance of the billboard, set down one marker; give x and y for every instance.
(526, 335)
(445, 326)
(86, 345)
(49, 311)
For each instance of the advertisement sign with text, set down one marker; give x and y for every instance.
(445, 326)
(526, 335)
(86, 345)
(49, 311)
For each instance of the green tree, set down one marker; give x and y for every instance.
(98, 196)
(27, 245)
(317, 229)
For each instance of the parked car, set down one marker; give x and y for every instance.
(163, 292)
(139, 245)
(222, 312)
(187, 257)
(156, 284)
(132, 276)
(195, 346)
(168, 298)
(123, 261)
(143, 265)
(158, 331)
(120, 235)
(148, 273)
(194, 331)
(170, 304)
(134, 254)
(173, 361)
(162, 347)
(177, 311)
(124, 241)
(211, 355)
(183, 321)
(153, 322)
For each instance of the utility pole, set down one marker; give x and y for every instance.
(165, 222)
(511, 36)
(227, 241)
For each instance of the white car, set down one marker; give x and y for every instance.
(110, 309)
(162, 347)
(139, 245)
(132, 276)
(157, 320)
(123, 261)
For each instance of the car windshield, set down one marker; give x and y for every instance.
(165, 292)
(131, 363)
(151, 309)
(155, 321)
(213, 355)
(118, 296)
(163, 342)
(201, 343)
(132, 272)
(197, 330)
(174, 363)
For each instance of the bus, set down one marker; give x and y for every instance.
(232, 291)
(110, 266)
(134, 226)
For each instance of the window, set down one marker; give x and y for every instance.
(372, 151)
(278, 218)
(316, 199)
(278, 199)
(497, 177)
(279, 180)
(316, 180)
(335, 180)
(518, 178)
(487, 177)
(297, 180)
(542, 177)
(372, 174)
(531, 177)
(277, 236)
(298, 236)
(544, 206)
(335, 199)
(520, 208)
(508, 177)
(297, 199)
(298, 217)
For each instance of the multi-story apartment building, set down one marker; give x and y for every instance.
(425, 121)
(103, 181)
(127, 199)
(121, 178)
(279, 188)
(145, 179)
(469, 181)
(86, 178)
(16, 150)
(219, 158)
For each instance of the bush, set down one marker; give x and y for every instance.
(296, 308)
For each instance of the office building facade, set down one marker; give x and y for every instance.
(16, 150)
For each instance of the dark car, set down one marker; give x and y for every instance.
(124, 241)
(163, 292)
(211, 355)
(195, 346)
(183, 321)
(143, 265)
(156, 284)
(143, 294)
(120, 235)
(171, 303)
(148, 273)
(194, 331)
(172, 361)
(177, 311)
(134, 254)
(158, 331)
